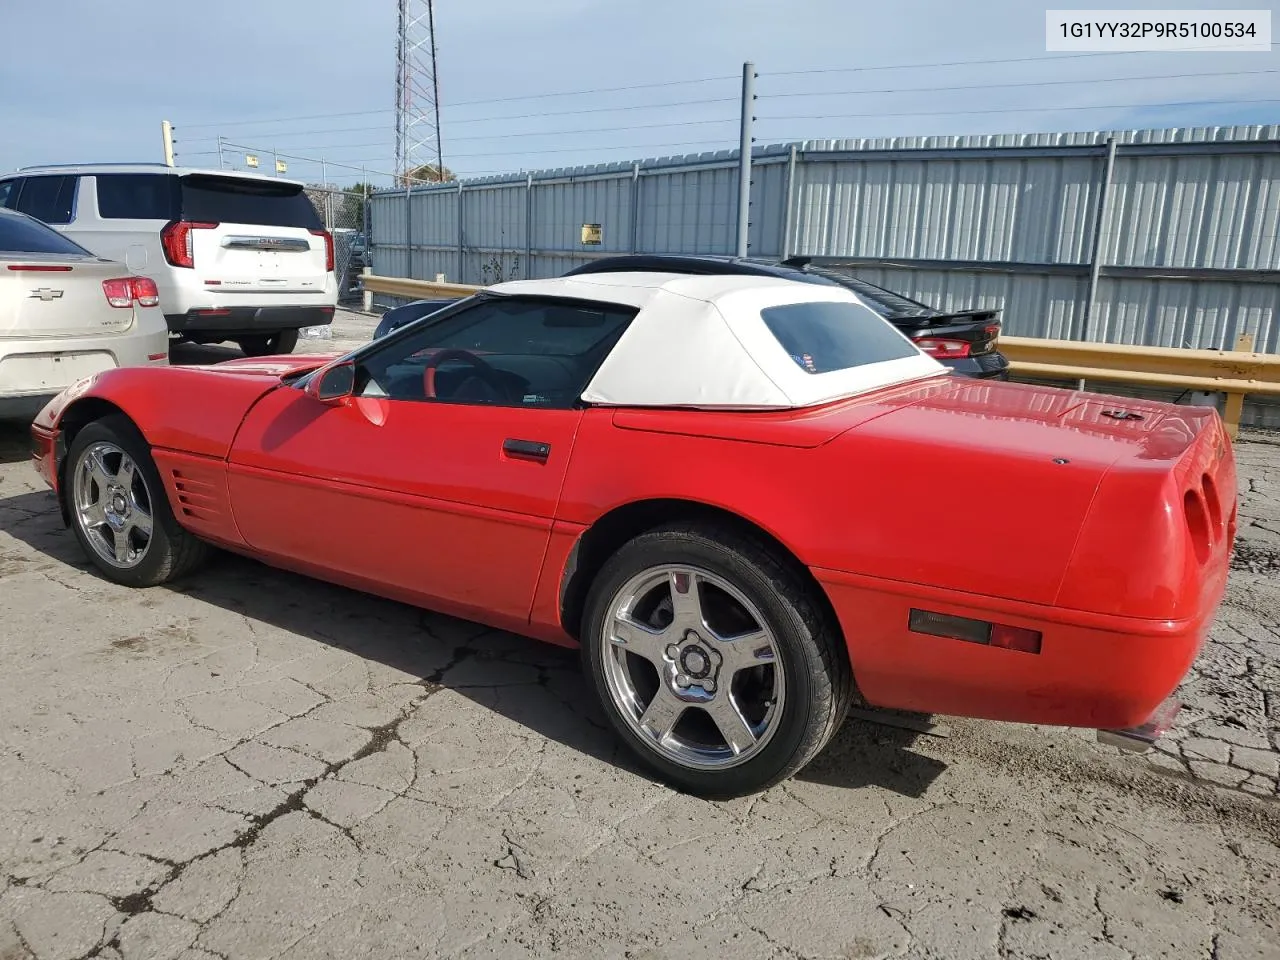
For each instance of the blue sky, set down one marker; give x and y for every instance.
(83, 80)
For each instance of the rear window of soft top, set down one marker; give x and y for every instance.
(825, 336)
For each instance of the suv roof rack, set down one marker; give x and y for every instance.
(118, 163)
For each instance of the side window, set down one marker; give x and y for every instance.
(136, 196)
(9, 193)
(51, 199)
(508, 351)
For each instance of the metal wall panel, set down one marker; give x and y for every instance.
(1202, 211)
(1033, 211)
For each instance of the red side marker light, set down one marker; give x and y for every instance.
(974, 631)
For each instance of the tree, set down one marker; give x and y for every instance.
(428, 173)
(353, 204)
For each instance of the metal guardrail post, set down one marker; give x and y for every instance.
(788, 204)
(744, 158)
(461, 272)
(1095, 258)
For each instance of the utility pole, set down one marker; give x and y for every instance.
(221, 162)
(166, 134)
(744, 156)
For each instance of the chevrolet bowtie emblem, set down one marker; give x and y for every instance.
(46, 293)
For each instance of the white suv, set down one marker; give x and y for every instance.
(235, 256)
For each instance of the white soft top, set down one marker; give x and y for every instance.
(701, 341)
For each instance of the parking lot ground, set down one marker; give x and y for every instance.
(251, 764)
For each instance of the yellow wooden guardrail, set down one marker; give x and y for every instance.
(1236, 373)
(415, 289)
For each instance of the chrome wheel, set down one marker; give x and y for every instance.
(113, 506)
(692, 667)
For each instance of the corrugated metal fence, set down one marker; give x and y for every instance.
(1179, 246)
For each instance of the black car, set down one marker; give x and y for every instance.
(397, 317)
(964, 340)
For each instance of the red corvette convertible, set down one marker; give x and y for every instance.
(724, 490)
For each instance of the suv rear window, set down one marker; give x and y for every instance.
(822, 337)
(213, 199)
(21, 235)
(136, 196)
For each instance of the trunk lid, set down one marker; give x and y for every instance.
(981, 471)
(59, 295)
(254, 236)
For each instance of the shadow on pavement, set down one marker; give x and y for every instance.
(537, 685)
(15, 441)
(183, 354)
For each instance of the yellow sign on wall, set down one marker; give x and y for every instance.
(592, 233)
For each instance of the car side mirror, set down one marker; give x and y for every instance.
(333, 384)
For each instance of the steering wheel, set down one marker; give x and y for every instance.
(453, 353)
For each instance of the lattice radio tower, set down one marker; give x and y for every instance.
(417, 89)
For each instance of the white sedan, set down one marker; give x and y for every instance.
(65, 314)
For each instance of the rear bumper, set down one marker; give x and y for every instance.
(1093, 670)
(32, 372)
(249, 321)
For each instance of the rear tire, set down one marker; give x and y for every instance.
(119, 509)
(282, 341)
(692, 630)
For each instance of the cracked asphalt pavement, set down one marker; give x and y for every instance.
(251, 764)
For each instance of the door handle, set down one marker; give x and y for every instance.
(526, 449)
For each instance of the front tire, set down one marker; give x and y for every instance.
(119, 510)
(714, 661)
(282, 341)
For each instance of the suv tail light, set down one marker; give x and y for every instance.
(328, 248)
(123, 291)
(941, 348)
(175, 238)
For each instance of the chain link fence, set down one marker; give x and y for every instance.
(344, 213)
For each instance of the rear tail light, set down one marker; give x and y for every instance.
(1198, 524)
(991, 329)
(328, 248)
(123, 291)
(37, 268)
(175, 238)
(119, 292)
(145, 291)
(941, 348)
(1001, 635)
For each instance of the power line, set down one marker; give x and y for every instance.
(513, 116)
(1036, 109)
(816, 93)
(348, 164)
(672, 83)
(1018, 83)
(580, 93)
(977, 63)
(490, 136)
(465, 103)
